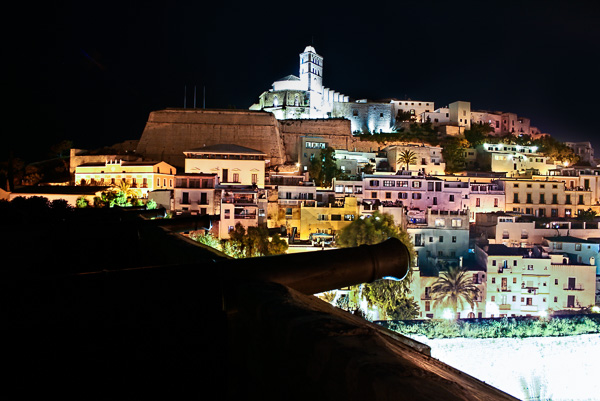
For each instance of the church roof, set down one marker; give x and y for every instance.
(289, 78)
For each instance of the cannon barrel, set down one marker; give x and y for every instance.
(315, 272)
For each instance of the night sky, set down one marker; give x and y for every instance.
(93, 72)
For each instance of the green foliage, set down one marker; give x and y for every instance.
(454, 288)
(253, 243)
(407, 157)
(499, 328)
(478, 134)
(391, 297)
(404, 116)
(151, 204)
(453, 153)
(417, 132)
(322, 168)
(586, 215)
(81, 202)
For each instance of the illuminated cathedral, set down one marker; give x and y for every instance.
(293, 97)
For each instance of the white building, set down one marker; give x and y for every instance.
(233, 164)
(428, 159)
(533, 282)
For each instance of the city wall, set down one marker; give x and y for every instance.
(170, 132)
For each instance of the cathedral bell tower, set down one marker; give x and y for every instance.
(311, 77)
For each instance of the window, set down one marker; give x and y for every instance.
(416, 196)
(441, 239)
(336, 217)
(578, 247)
(515, 198)
(454, 238)
(514, 280)
(451, 198)
(388, 195)
(495, 202)
(493, 298)
(388, 183)
(236, 177)
(416, 184)
(456, 223)
(477, 202)
(227, 215)
(254, 178)
(494, 278)
(373, 195)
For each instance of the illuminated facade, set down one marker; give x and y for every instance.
(546, 198)
(532, 282)
(233, 164)
(293, 97)
(428, 159)
(142, 177)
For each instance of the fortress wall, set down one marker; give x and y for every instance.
(336, 131)
(170, 132)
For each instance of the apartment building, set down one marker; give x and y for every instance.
(196, 194)
(532, 282)
(415, 192)
(233, 164)
(142, 176)
(514, 160)
(440, 237)
(485, 198)
(428, 159)
(515, 230)
(545, 198)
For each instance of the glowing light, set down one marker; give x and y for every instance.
(448, 314)
(596, 309)
(534, 148)
(543, 314)
(566, 163)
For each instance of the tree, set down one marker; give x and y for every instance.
(323, 169)
(392, 297)
(453, 154)
(478, 134)
(586, 215)
(453, 289)
(407, 157)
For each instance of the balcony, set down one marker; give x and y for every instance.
(504, 289)
(245, 216)
(529, 308)
(574, 287)
(250, 200)
(504, 306)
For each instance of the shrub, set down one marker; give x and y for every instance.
(499, 328)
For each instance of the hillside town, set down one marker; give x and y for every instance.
(482, 190)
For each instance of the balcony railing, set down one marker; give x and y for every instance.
(504, 306)
(245, 216)
(574, 287)
(504, 289)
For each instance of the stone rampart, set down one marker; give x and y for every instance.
(168, 133)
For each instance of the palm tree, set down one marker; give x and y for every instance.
(453, 289)
(126, 188)
(407, 157)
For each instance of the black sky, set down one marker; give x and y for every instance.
(93, 72)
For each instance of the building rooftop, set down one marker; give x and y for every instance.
(226, 149)
(60, 190)
(569, 239)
